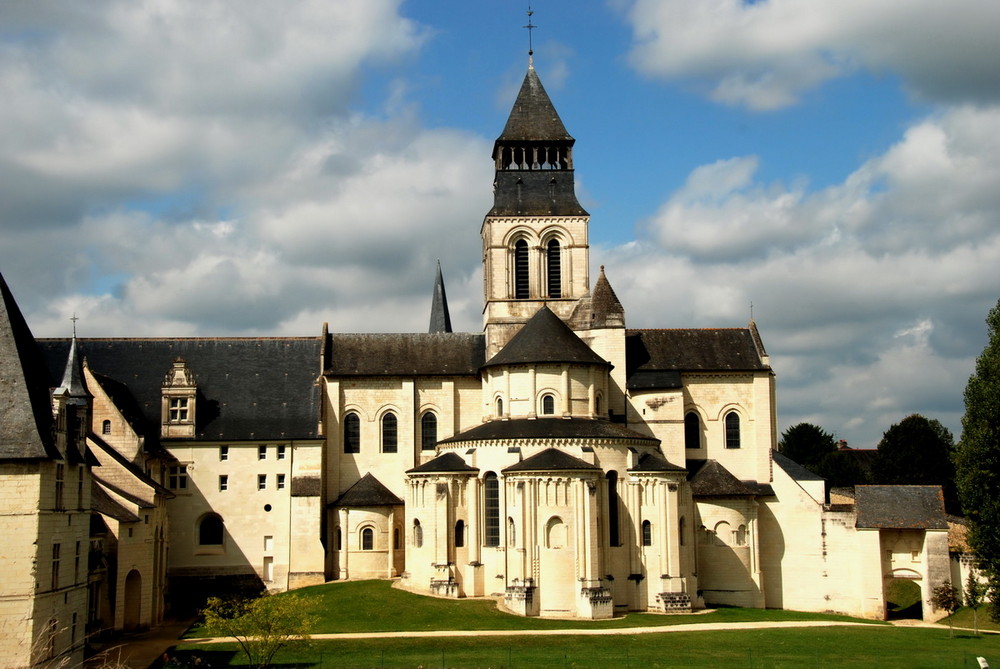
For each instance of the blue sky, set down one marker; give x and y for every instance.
(224, 168)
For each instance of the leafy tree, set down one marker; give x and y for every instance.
(261, 626)
(978, 460)
(841, 468)
(945, 597)
(918, 451)
(807, 444)
(974, 592)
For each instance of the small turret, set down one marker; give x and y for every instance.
(440, 318)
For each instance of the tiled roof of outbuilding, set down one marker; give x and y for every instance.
(545, 339)
(25, 385)
(547, 428)
(248, 388)
(437, 354)
(903, 507)
(369, 491)
(551, 459)
(446, 462)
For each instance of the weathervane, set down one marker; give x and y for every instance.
(531, 26)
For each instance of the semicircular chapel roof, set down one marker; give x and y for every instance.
(545, 338)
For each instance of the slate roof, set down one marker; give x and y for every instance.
(903, 507)
(437, 354)
(551, 459)
(369, 491)
(654, 462)
(121, 492)
(103, 503)
(547, 428)
(25, 385)
(134, 469)
(248, 388)
(794, 469)
(546, 339)
(708, 478)
(533, 116)
(446, 462)
(658, 356)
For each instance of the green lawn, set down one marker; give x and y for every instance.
(375, 606)
(869, 646)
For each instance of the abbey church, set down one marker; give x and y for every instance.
(557, 461)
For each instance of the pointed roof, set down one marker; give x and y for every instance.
(440, 318)
(72, 380)
(449, 462)
(369, 491)
(533, 117)
(25, 402)
(545, 338)
(551, 459)
(600, 309)
(711, 479)
(651, 463)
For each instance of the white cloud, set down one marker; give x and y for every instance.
(869, 293)
(766, 54)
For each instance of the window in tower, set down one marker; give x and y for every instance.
(428, 431)
(389, 433)
(521, 270)
(732, 430)
(352, 433)
(553, 264)
(692, 430)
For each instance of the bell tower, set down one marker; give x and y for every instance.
(535, 248)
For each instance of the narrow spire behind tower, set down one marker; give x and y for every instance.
(440, 318)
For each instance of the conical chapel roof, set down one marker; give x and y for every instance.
(545, 338)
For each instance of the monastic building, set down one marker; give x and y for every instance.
(558, 460)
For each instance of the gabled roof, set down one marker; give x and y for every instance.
(248, 388)
(25, 383)
(550, 460)
(545, 339)
(105, 504)
(548, 428)
(903, 507)
(125, 494)
(131, 467)
(654, 462)
(794, 469)
(533, 116)
(438, 354)
(708, 478)
(369, 491)
(440, 318)
(449, 462)
(658, 353)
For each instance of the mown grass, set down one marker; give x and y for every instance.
(964, 618)
(375, 606)
(865, 646)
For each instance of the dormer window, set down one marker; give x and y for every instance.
(179, 392)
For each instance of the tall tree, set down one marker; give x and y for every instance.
(261, 626)
(918, 451)
(807, 444)
(978, 459)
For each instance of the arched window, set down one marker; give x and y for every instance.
(647, 533)
(106, 427)
(367, 539)
(511, 532)
(553, 265)
(460, 534)
(428, 431)
(555, 533)
(210, 530)
(521, 270)
(491, 509)
(389, 433)
(613, 535)
(692, 430)
(395, 538)
(418, 534)
(681, 530)
(352, 433)
(500, 407)
(732, 430)
(597, 406)
(548, 405)
(740, 535)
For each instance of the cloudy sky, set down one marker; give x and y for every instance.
(259, 168)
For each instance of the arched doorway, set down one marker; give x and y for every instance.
(133, 601)
(903, 595)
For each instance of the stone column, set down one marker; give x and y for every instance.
(391, 552)
(345, 545)
(565, 390)
(532, 393)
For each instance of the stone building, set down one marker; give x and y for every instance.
(557, 460)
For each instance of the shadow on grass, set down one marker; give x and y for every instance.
(193, 659)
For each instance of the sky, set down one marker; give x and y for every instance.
(257, 168)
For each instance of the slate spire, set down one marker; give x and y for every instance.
(440, 318)
(72, 381)
(25, 403)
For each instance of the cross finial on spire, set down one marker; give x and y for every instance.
(74, 319)
(531, 26)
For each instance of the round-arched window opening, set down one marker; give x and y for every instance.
(548, 405)
(210, 530)
(267, 507)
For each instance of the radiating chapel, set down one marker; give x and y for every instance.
(557, 460)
